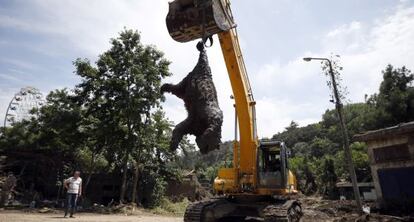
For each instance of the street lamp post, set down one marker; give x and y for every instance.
(339, 109)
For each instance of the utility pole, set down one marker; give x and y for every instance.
(347, 150)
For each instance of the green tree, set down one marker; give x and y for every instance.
(395, 100)
(361, 162)
(121, 91)
(320, 147)
(328, 179)
(305, 173)
(59, 119)
(294, 134)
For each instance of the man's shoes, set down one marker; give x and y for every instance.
(71, 216)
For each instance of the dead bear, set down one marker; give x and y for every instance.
(204, 118)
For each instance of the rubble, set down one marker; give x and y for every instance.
(45, 210)
(125, 209)
(317, 209)
(200, 99)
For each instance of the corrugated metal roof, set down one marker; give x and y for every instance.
(399, 129)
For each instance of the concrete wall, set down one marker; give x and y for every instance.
(393, 146)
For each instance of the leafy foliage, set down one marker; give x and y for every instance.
(395, 100)
(121, 92)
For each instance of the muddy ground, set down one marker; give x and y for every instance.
(20, 216)
(314, 209)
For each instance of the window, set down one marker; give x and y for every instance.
(391, 153)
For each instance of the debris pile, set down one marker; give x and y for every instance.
(317, 209)
(125, 209)
(200, 98)
(44, 210)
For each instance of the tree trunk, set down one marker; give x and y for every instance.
(130, 145)
(88, 178)
(124, 180)
(135, 185)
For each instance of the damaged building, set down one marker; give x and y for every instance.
(391, 156)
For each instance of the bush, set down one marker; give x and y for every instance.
(152, 188)
(168, 207)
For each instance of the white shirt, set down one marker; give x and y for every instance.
(74, 184)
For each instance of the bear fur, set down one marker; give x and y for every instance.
(204, 118)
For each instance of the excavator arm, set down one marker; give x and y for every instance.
(244, 154)
(191, 19)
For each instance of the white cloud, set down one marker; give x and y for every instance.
(389, 41)
(274, 115)
(88, 25)
(19, 63)
(9, 77)
(297, 90)
(294, 90)
(345, 29)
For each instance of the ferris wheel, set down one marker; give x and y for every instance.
(21, 106)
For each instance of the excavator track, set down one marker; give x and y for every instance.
(291, 211)
(196, 212)
(209, 210)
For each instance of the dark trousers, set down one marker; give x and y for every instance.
(71, 200)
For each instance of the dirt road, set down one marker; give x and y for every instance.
(18, 216)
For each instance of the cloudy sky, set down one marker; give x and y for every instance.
(39, 39)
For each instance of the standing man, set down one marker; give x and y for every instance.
(74, 190)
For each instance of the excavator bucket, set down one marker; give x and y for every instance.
(193, 19)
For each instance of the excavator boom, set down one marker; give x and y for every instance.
(188, 20)
(245, 109)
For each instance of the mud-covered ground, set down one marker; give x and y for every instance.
(316, 209)
(21, 216)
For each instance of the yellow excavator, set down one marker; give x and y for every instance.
(259, 186)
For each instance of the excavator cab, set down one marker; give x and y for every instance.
(188, 20)
(272, 164)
